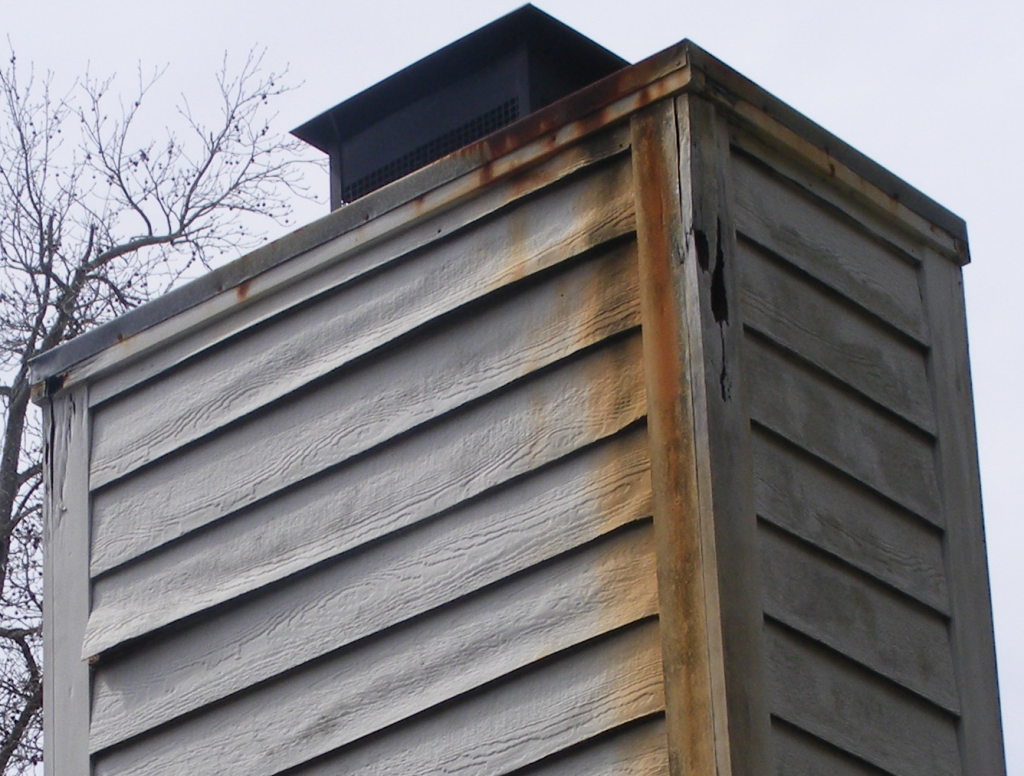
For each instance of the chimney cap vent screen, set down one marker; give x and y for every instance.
(466, 90)
(474, 129)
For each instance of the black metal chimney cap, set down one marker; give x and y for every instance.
(530, 25)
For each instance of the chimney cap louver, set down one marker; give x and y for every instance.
(532, 55)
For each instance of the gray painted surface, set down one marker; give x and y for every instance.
(416, 503)
(862, 539)
(66, 698)
(383, 201)
(856, 711)
(394, 512)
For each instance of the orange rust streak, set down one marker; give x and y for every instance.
(689, 699)
(597, 300)
(583, 111)
(242, 290)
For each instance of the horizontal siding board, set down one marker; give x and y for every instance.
(564, 703)
(257, 548)
(821, 241)
(401, 388)
(387, 583)
(637, 750)
(333, 260)
(364, 406)
(544, 418)
(834, 336)
(361, 691)
(882, 216)
(845, 705)
(805, 407)
(273, 360)
(799, 754)
(839, 515)
(883, 631)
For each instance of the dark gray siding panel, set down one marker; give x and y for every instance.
(855, 514)
(816, 413)
(803, 315)
(980, 732)
(828, 245)
(849, 611)
(853, 709)
(822, 505)
(798, 753)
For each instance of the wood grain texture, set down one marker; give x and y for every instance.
(881, 215)
(835, 336)
(803, 406)
(384, 584)
(343, 247)
(360, 692)
(273, 360)
(548, 416)
(66, 584)
(827, 245)
(716, 720)
(847, 706)
(637, 750)
(981, 739)
(721, 433)
(881, 630)
(257, 548)
(798, 753)
(386, 396)
(565, 702)
(693, 680)
(839, 515)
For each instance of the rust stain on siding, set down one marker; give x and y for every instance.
(579, 114)
(242, 290)
(588, 108)
(686, 659)
(615, 393)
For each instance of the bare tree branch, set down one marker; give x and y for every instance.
(33, 702)
(97, 216)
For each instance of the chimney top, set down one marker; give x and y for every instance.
(468, 89)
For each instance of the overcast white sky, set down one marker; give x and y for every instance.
(933, 90)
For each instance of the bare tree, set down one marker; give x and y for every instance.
(94, 221)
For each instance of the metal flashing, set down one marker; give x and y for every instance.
(679, 68)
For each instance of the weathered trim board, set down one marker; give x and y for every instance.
(635, 439)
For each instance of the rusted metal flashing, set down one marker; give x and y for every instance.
(679, 68)
(745, 99)
(527, 142)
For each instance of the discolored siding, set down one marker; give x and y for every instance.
(409, 513)
(850, 416)
(642, 446)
